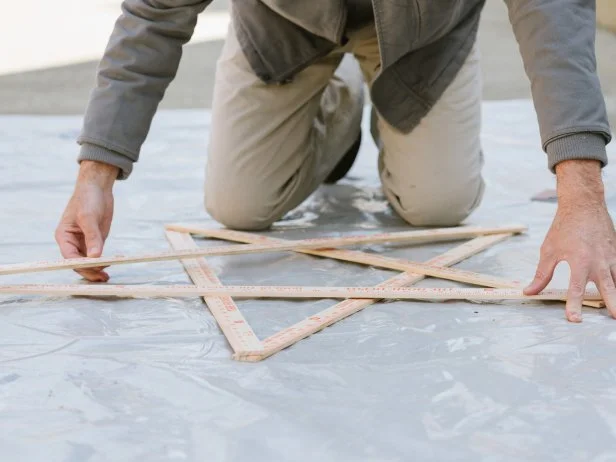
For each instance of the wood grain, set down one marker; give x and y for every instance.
(234, 326)
(431, 235)
(285, 292)
(341, 310)
(355, 256)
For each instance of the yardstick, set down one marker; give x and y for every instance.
(327, 317)
(238, 291)
(238, 332)
(354, 256)
(430, 235)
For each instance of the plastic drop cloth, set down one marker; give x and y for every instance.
(152, 380)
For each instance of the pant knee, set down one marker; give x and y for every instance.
(237, 210)
(435, 216)
(438, 208)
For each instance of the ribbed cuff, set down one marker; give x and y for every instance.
(586, 145)
(100, 154)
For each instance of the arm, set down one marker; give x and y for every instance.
(140, 61)
(557, 44)
(556, 39)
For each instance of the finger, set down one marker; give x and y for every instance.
(92, 275)
(72, 246)
(92, 235)
(543, 276)
(575, 293)
(607, 287)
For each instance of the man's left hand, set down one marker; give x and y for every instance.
(583, 235)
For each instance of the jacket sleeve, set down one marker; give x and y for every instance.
(140, 61)
(557, 43)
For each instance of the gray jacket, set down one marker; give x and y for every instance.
(423, 44)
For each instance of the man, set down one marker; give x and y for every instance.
(287, 110)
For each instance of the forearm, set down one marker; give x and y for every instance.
(99, 173)
(556, 40)
(140, 61)
(579, 184)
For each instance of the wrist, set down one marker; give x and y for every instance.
(99, 173)
(579, 181)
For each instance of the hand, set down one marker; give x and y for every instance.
(85, 224)
(582, 234)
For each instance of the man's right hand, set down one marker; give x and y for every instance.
(85, 224)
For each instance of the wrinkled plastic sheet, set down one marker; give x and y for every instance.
(152, 379)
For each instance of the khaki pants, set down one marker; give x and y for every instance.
(272, 146)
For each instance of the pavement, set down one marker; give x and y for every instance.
(52, 71)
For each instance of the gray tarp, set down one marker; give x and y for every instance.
(152, 380)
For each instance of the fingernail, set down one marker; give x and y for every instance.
(575, 317)
(93, 250)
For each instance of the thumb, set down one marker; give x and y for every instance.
(93, 238)
(543, 275)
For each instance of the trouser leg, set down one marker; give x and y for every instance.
(432, 175)
(271, 146)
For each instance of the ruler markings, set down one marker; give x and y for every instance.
(433, 269)
(428, 269)
(247, 291)
(234, 326)
(341, 310)
(430, 235)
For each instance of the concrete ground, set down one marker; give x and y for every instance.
(52, 71)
